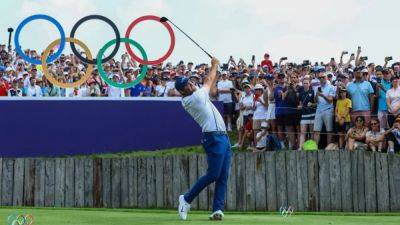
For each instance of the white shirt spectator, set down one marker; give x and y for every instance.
(247, 101)
(115, 92)
(203, 111)
(225, 84)
(394, 96)
(34, 91)
(161, 91)
(260, 113)
(262, 143)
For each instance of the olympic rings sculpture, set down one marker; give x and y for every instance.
(16, 219)
(47, 58)
(286, 211)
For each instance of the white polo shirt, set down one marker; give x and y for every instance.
(199, 106)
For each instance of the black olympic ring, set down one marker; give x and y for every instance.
(109, 22)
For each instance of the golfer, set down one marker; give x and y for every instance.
(215, 141)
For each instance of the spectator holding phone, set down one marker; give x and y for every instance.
(356, 135)
(383, 84)
(393, 100)
(260, 109)
(307, 108)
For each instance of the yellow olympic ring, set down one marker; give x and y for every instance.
(54, 80)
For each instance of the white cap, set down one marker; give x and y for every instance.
(258, 86)
(8, 69)
(264, 124)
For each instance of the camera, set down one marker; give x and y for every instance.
(284, 58)
(389, 58)
(253, 58)
(364, 58)
(319, 89)
(378, 80)
(225, 66)
(306, 62)
(345, 52)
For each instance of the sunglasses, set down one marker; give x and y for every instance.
(360, 120)
(321, 77)
(373, 124)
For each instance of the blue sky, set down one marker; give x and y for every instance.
(308, 29)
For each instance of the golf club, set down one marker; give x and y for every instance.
(165, 19)
(10, 30)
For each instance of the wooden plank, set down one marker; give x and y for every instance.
(354, 174)
(334, 173)
(88, 181)
(313, 181)
(18, 192)
(302, 181)
(231, 189)
(142, 192)
(69, 182)
(106, 182)
(370, 182)
(79, 183)
(59, 186)
(115, 182)
(291, 177)
(382, 181)
(133, 182)
(176, 180)
(49, 183)
(272, 201)
(168, 182)
(150, 182)
(98, 183)
(193, 178)
(345, 181)
(241, 182)
(159, 166)
(394, 182)
(39, 182)
(324, 182)
(361, 181)
(260, 182)
(124, 183)
(7, 182)
(184, 174)
(29, 181)
(202, 169)
(250, 181)
(281, 184)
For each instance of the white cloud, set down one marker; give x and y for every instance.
(302, 15)
(299, 47)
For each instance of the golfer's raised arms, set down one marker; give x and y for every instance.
(211, 79)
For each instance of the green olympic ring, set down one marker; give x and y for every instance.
(103, 73)
(16, 219)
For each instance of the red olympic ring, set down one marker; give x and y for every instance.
(150, 62)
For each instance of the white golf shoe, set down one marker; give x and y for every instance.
(217, 215)
(183, 208)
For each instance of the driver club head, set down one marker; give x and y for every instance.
(163, 19)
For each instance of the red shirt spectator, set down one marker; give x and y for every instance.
(3, 88)
(267, 62)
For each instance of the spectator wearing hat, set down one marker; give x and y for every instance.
(383, 84)
(115, 92)
(342, 116)
(260, 108)
(281, 108)
(224, 87)
(267, 63)
(361, 90)
(393, 100)
(161, 87)
(324, 113)
(14, 90)
(246, 112)
(269, 95)
(261, 139)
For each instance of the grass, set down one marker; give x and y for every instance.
(51, 216)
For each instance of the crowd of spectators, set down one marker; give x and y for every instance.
(346, 104)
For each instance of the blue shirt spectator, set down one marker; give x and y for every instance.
(329, 91)
(359, 93)
(281, 108)
(386, 85)
(137, 90)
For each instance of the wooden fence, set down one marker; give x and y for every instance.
(311, 181)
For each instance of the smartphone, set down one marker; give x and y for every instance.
(319, 89)
(332, 59)
(389, 58)
(306, 62)
(253, 58)
(364, 58)
(345, 52)
(284, 58)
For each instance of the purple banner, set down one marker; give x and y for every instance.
(62, 126)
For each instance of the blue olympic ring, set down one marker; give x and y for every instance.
(36, 17)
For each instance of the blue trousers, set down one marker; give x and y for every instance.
(218, 150)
